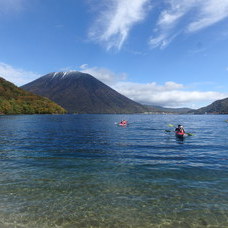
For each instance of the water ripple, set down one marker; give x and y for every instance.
(84, 171)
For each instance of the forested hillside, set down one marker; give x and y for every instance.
(14, 100)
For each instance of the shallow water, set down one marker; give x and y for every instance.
(85, 171)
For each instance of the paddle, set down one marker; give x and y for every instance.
(171, 125)
(189, 134)
(168, 131)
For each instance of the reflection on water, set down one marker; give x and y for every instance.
(84, 171)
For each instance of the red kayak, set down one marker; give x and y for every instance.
(180, 134)
(123, 123)
(120, 124)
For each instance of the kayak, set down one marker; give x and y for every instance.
(123, 124)
(180, 134)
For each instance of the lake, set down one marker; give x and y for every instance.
(86, 171)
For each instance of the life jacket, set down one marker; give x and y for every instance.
(180, 130)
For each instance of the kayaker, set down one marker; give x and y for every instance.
(180, 129)
(123, 122)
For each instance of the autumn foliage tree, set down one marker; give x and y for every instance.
(14, 100)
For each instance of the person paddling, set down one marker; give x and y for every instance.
(123, 122)
(180, 129)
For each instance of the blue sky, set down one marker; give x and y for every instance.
(172, 53)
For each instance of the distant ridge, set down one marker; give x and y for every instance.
(159, 109)
(217, 107)
(82, 93)
(14, 100)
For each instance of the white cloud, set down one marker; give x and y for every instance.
(118, 17)
(190, 16)
(84, 66)
(162, 40)
(170, 94)
(15, 75)
(211, 12)
(103, 74)
(114, 23)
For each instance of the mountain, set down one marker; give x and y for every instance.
(82, 93)
(160, 109)
(217, 107)
(14, 100)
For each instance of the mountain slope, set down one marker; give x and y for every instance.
(160, 109)
(82, 93)
(217, 107)
(14, 100)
